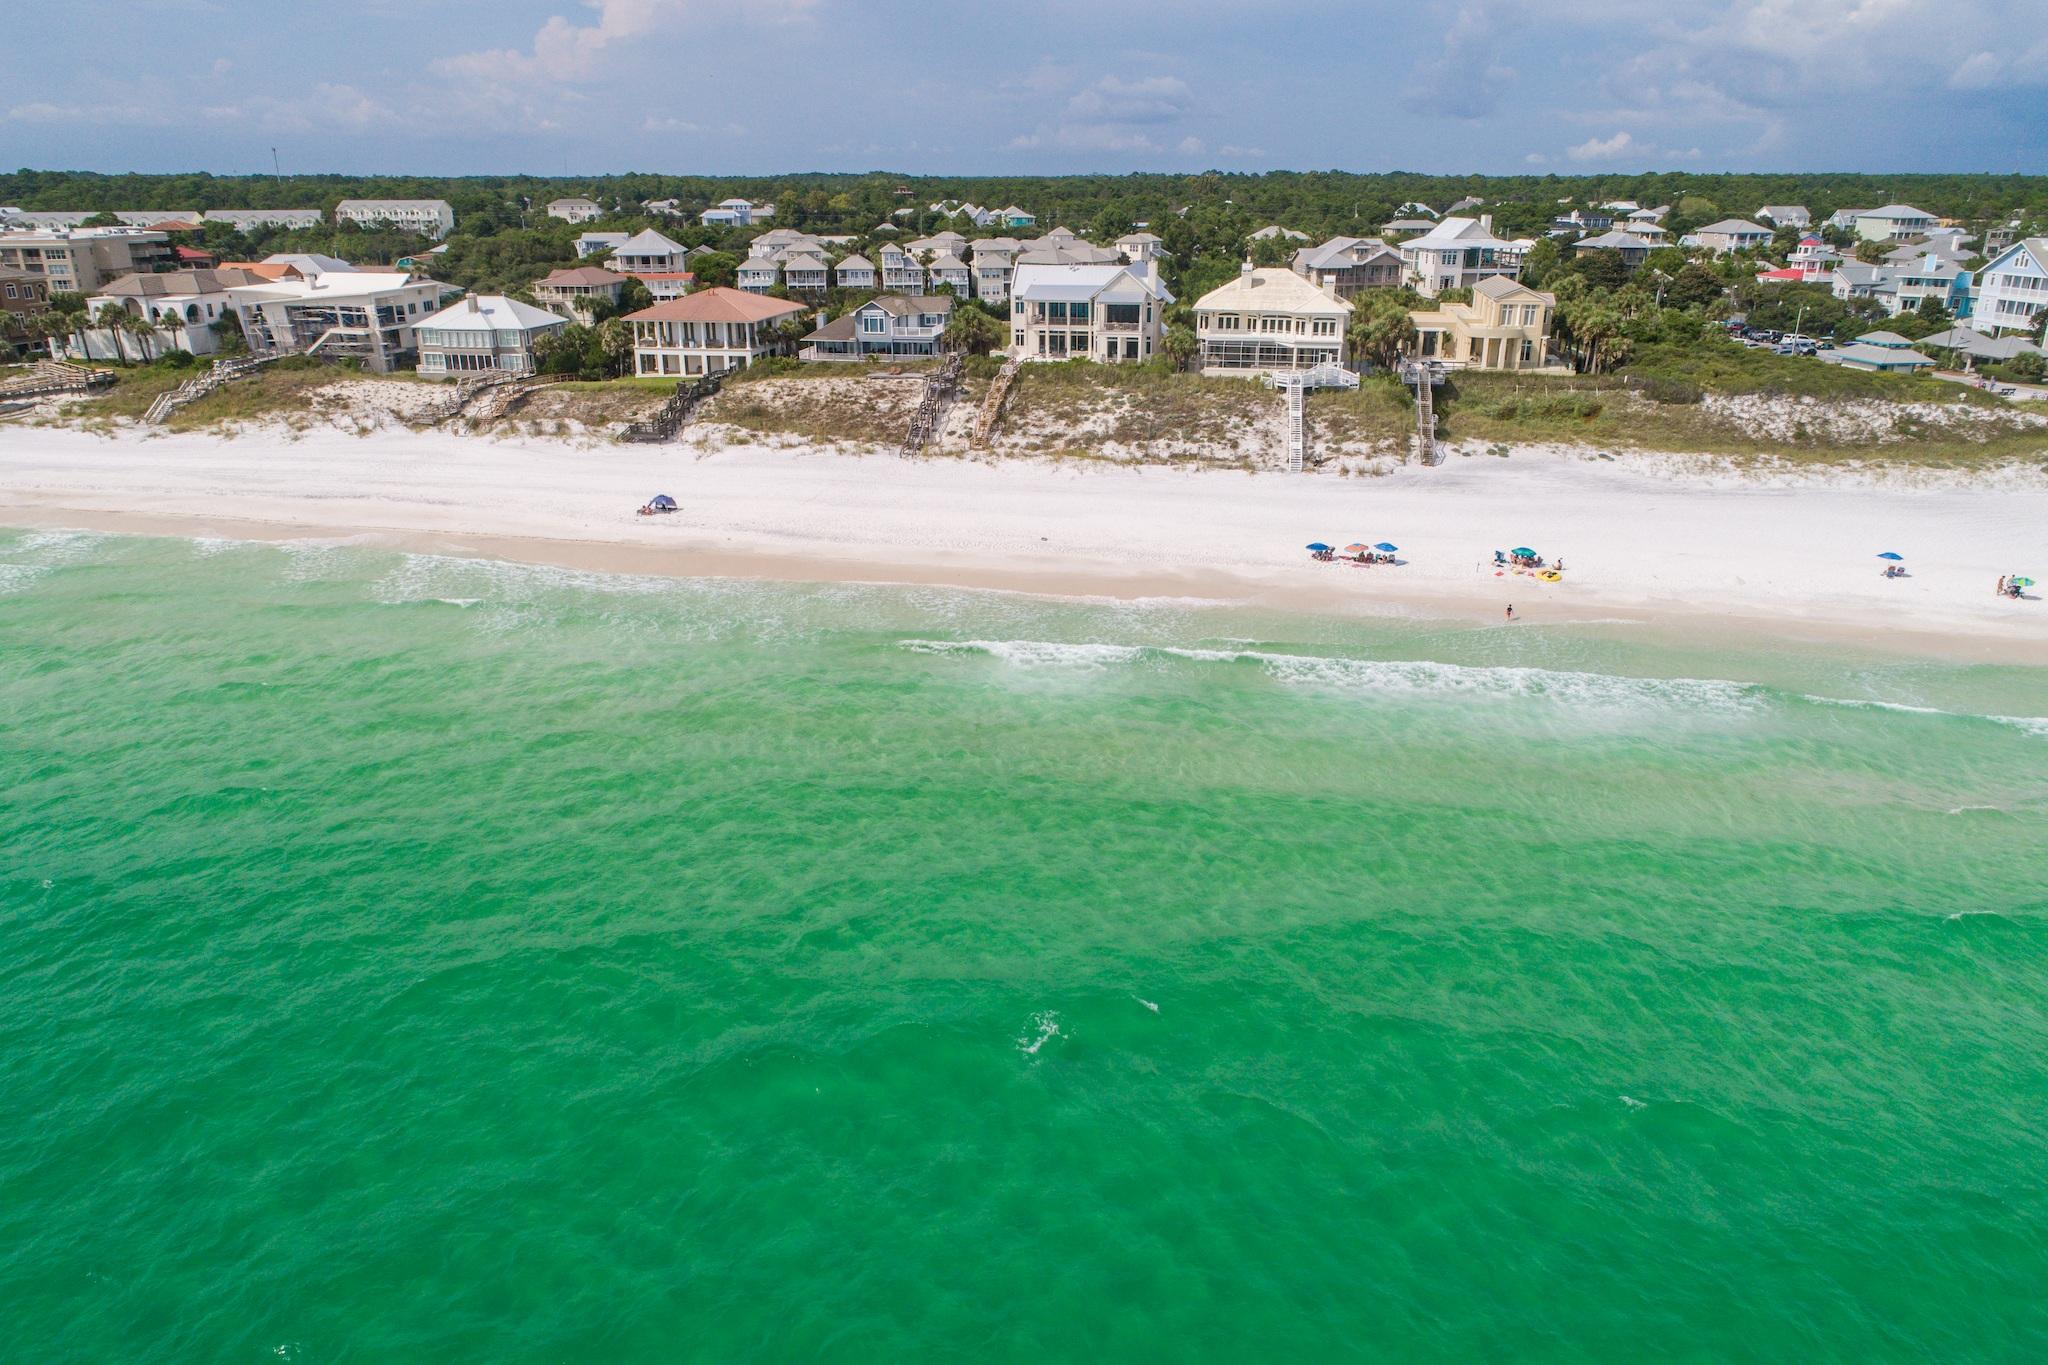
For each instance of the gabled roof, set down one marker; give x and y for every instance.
(1895, 211)
(1455, 232)
(179, 283)
(647, 242)
(587, 276)
(495, 312)
(803, 260)
(909, 305)
(946, 260)
(1055, 282)
(1730, 227)
(1884, 339)
(1879, 355)
(718, 304)
(856, 263)
(1618, 240)
(1272, 290)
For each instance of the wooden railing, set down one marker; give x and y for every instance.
(200, 385)
(931, 405)
(992, 405)
(669, 418)
(55, 376)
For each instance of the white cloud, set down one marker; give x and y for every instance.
(1148, 99)
(1535, 159)
(570, 52)
(221, 66)
(1191, 146)
(102, 115)
(651, 124)
(1601, 149)
(1240, 153)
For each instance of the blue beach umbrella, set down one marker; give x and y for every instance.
(661, 500)
(1317, 547)
(1889, 555)
(1526, 552)
(1385, 548)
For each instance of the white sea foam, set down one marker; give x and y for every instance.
(2033, 725)
(37, 553)
(1867, 704)
(1634, 1103)
(1385, 677)
(1152, 1005)
(1044, 1027)
(1972, 914)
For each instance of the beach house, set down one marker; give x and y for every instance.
(1139, 247)
(948, 271)
(576, 291)
(1785, 215)
(599, 243)
(2012, 288)
(575, 210)
(758, 274)
(181, 307)
(1269, 319)
(1505, 327)
(995, 263)
(1731, 234)
(1457, 253)
(855, 272)
(483, 334)
(709, 332)
(429, 217)
(1893, 221)
(1348, 266)
(1111, 313)
(1632, 250)
(901, 273)
(891, 325)
(736, 213)
(369, 316)
(805, 271)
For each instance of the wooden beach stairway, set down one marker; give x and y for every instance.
(1423, 376)
(931, 406)
(48, 377)
(1294, 386)
(992, 405)
(669, 418)
(200, 385)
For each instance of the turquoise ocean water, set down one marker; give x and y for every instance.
(407, 958)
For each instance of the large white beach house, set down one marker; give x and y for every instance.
(1111, 313)
(481, 334)
(1457, 254)
(708, 332)
(1270, 319)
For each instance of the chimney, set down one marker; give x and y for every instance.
(1244, 272)
(1486, 222)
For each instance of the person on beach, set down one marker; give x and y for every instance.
(2001, 585)
(1511, 611)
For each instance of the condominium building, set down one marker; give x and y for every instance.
(430, 217)
(1269, 320)
(242, 220)
(81, 260)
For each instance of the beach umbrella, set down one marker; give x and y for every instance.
(2021, 582)
(1526, 552)
(1385, 548)
(1317, 547)
(661, 500)
(1356, 548)
(1889, 555)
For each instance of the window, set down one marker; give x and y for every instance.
(873, 322)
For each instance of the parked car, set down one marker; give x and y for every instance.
(1803, 346)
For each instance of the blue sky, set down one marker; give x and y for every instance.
(1042, 86)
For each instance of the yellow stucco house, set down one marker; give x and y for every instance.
(1505, 327)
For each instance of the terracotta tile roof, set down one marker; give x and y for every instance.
(718, 305)
(264, 270)
(589, 275)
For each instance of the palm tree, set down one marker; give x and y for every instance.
(1181, 344)
(113, 319)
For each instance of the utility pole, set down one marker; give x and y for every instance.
(276, 170)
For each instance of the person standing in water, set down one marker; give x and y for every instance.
(1511, 611)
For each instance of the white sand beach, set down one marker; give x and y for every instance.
(1643, 538)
